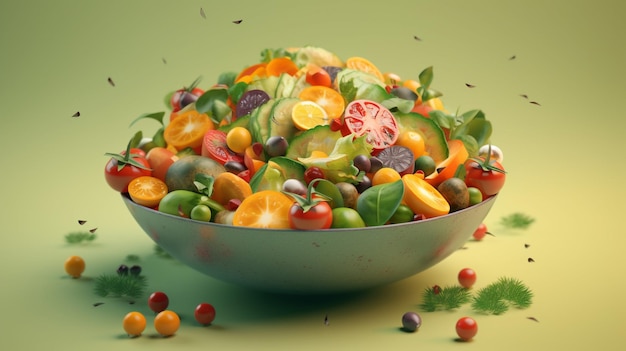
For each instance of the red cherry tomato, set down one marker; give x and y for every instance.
(313, 173)
(185, 96)
(120, 170)
(158, 301)
(316, 75)
(488, 181)
(319, 216)
(369, 118)
(214, 146)
(205, 313)
(480, 232)
(466, 328)
(467, 277)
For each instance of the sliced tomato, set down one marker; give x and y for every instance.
(369, 118)
(214, 146)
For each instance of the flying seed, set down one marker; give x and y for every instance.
(535, 103)
(489, 233)
(111, 81)
(238, 21)
(164, 61)
(77, 114)
(93, 230)
(524, 96)
(131, 302)
(98, 304)
(530, 259)
(533, 319)
(326, 322)
(417, 38)
(526, 245)
(202, 13)
(470, 85)
(82, 221)
(512, 57)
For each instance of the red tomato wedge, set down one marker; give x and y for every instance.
(214, 146)
(369, 118)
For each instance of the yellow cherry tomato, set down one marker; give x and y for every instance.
(134, 323)
(413, 141)
(166, 323)
(385, 175)
(238, 139)
(74, 266)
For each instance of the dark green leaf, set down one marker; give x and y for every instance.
(480, 129)
(426, 77)
(378, 203)
(227, 78)
(470, 144)
(470, 115)
(158, 138)
(442, 119)
(330, 190)
(168, 99)
(204, 183)
(204, 104)
(348, 90)
(236, 91)
(157, 116)
(135, 140)
(402, 105)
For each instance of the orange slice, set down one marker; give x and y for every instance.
(187, 130)
(423, 198)
(228, 186)
(147, 191)
(329, 99)
(280, 65)
(264, 209)
(364, 65)
(307, 114)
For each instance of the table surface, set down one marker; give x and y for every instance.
(562, 155)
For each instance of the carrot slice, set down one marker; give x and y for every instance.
(457, 155)
(280, 65)
(423, 198)
(364, 65)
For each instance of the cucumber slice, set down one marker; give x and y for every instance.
(239, 122)
(267, 84)
(258, 122)
(286, 82)
(280, 122)
(299, 84)
(434, 138)
(320, 138)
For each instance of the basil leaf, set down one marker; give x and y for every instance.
(157, 116)
(205, 102)
(378, 203)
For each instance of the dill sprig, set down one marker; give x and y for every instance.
(497, 297)
(79, 237)
(446, 298)
(125, 286)
(517, 221)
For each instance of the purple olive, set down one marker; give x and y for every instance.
(376, 164)
(122, 270)
(234, 167)
(364, 184)
(411, 321)
(362, 162)
(135, 270)
(276, 146)
(294, 186)
(250, 100)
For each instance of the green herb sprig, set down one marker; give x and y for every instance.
(80, 237)
(124, 286)
(446, 298)
(158, 250)
(517, 220)
(497, 297)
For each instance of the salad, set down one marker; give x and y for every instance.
(302, 139)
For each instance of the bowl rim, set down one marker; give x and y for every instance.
(129, 202)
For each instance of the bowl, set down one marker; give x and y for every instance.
(310, 262)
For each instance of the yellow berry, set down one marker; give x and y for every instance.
(75, 266)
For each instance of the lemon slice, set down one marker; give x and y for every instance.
(308, 114)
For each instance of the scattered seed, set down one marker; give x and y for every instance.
(490, 233)
(535, 103)
(202, 13)
(530, 259)
(82, 221)
(417, 38)
(98, 304)
(470, 85)
(526, 245)
(237, 21)
(533, 319)
(512, 57)
(77, 114)
(524, 96)
(93, 230)
(164, 61)
(440, 169)
(326, 322)
(111, 81)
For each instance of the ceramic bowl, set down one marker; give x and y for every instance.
(310, 262)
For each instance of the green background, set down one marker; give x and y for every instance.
(564, 157)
